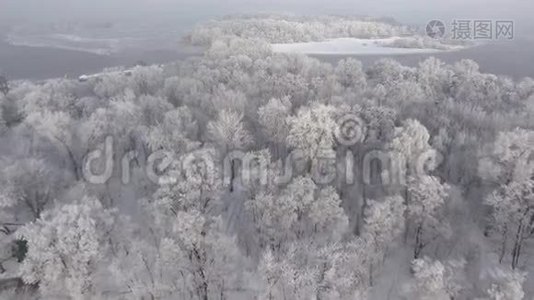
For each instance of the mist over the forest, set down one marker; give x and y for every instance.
(406, 11)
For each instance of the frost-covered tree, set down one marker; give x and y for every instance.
(307, 270)
(434, 78)
(383, 225)
(110, 85)
(3, 117)
(435, 280)
(229, 134)
(508, 159)
(384, 222)
(350, 74)
(58, 127)
(32, 184)
(287, 276)
(425, 195)
(146, 80)
(227, 99)
(193, 183)
(8, 199)
(67, 246)
(508, 165)
(118, 118)
(506, 284)
(228, 131)
(176, 132)
(388, 72)
(312, 130)
(412, 142)
(4, 85)
(406, 93)
(380, 123)
(272, 117)
(8, 209)
(301, 210)
(345, 270)
(512, 217)
(185, 255)
(426, 210)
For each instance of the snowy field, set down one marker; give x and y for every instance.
(351, 46)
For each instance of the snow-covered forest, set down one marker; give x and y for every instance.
(248, 174)
(290, 29)
(283, 29)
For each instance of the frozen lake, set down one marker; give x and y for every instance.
(31, 62)
(511, 58)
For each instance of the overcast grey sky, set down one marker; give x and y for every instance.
(410, 11)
